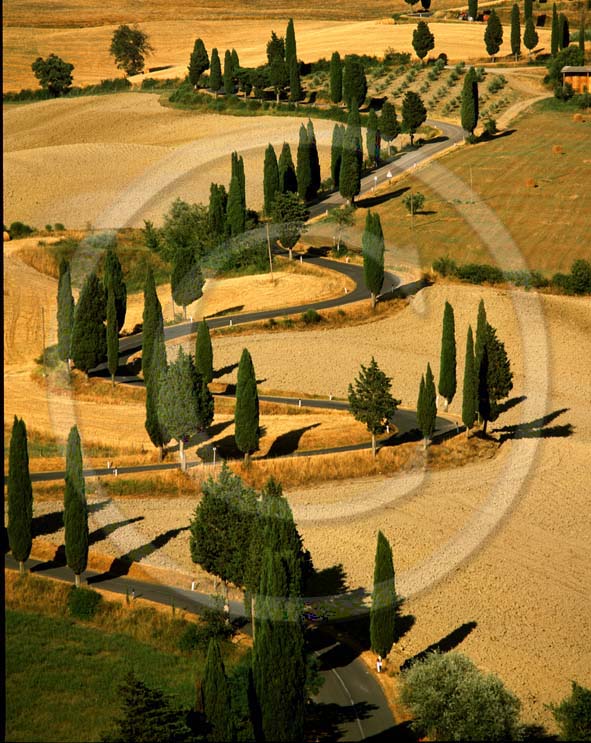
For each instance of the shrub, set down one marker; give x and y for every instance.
(83, 602)
(490, 126)
(48, 228)
(563, 282)
(581, 277)
(563, 92)
(445, 266)
(527, 279)
(244, 253)
(20, 229)
(212, 625)
(442, 58)
(573, 714)
(58, 227)
(480, 273)
(414, 202)
(311, 317)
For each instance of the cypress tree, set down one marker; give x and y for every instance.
(481, 325)
(382, 617)
(228, 74)
(20, 496)
(186, 280)
(527, 9)
(75, 508)
(354, 81)
(205, 403)
(304, 174)
(515, 32)
(151, 318)
(215, 73)
(235, 61)
(315, 179)
(216, 695)
(469, 389)
(389, 126)
(270, 179)
(447, 370)
(236, 216)
(113, 278)
(426, 406)
(336, 78)
(278, 659)
(493, 36)
(89, 340)
(469, 106)
(204, 352)
(295, 86)
(198, 63)
(422, 40)
(158, 367)
(350, 172)
(288, 181)
(371, 136)
(246, 414)
(336, 154)
(218, 200)
(499, 378)
(354, 121)
(530, 36)
(582, 36)
(563, 32)
(238, 171)
(554, 36)
(414, 113)
(480, 361)
(112, 336)
(178, 404)
(65, 311)
(290, 43)
(372, 249)
(473, 9)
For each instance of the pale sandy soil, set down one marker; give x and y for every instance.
(88, 48)
(125, 158)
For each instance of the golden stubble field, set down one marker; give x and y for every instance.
(88, 48)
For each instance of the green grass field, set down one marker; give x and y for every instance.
(62, 678)
(535, 180)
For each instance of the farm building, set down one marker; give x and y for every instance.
(578, 77)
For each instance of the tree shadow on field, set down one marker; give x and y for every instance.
(121, 565)
(537, 429)
(225, 449)
(370, 201)
(447, 643)
(224, 370)
(287, 443)
(49, 523)
(104, 531)
(511, 403)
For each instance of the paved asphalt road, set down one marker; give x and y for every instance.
(356, 708)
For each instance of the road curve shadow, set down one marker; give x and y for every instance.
(447, 643)
(368, 202)
(323, 721)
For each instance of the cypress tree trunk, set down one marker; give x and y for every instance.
(182, 454)
(373, 444)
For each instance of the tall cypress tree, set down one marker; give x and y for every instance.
(473, 9)
(315, 179)
(389, 125)
(151, 318)
(480, 360)
(112, 336)
(75, 508)
(246, 414)
(515, 32)
(295, 86)
(290, 42)
(530, 35)
(236, 216)
(238, 171)
(198, 63)
(354, 121)
(218, 201)
(204, 352)
(89, 340)
(422, 40)
(215, 73)
(113, 278)
(65, 311)
(527, 9)
(288, 180)
(278, 659)
(382, 617)
(270, 179)
(304, 173)
(427, 406)
(469, 389)
(554, 37)
(158, 367)
(447, 367)
(235, 61)
(371, 136)
(493, 35)
(178, 404)
(336, 154)
(481, 325)
(372, 249)
(563, 32)
(336, 78)
(497, 377)
(354, 81)
(228, 73)
(352, 158)
(20, 496)
(469, 105)
(216, 695)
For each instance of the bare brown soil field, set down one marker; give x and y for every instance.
(88, 48)
(155, 155)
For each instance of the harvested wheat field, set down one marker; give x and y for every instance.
(124, 158)
(88, 48)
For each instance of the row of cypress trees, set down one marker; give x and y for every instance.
(20, 501)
